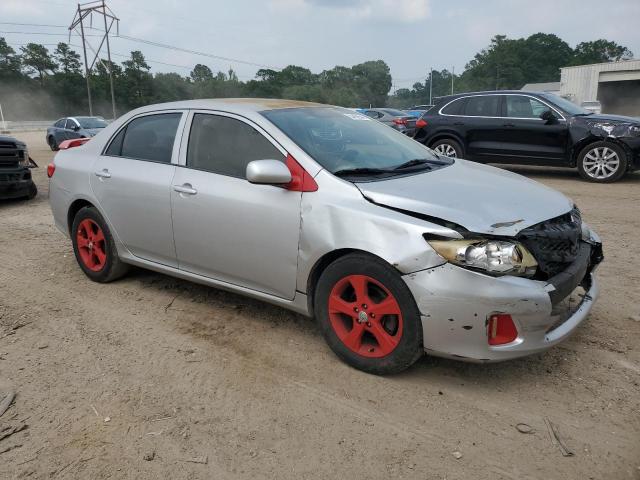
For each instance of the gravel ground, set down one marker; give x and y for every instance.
(154, 377)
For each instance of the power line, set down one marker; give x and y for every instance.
(45, 33)
(33, 24)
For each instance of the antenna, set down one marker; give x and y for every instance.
(99, 8)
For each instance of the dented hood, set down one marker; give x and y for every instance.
(481, 198)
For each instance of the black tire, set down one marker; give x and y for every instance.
(33, 191)
(409, 345)
(53, 145)
(112, 268)
(452, 144)
(585, 159)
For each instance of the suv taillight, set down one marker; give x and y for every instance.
(421, 123)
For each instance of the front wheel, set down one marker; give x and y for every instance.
(602, 162)
(94, 248)
(368, 315)
(447, 148)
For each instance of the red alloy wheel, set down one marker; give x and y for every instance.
(365, 316)
(91, 245)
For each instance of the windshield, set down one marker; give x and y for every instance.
(91, 122)
(342, 141)
(564, 104)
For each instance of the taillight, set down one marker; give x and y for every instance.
(301, 181)
(501, 329)
(400, 121)
(421, 123)
(76, 142)
(51, 169)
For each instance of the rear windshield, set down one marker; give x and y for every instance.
(340, 139)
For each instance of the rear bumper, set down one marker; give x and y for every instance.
(15, 182)
(456, 304)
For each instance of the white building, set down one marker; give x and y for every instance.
(546, 87)
(616, 85)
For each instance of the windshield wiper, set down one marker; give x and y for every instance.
(419, 162)
(361, 171)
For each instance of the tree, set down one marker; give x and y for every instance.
(10, 63)
(36, 58)
(599, 51)
(201, 73)
(68, 60)
(137, 80)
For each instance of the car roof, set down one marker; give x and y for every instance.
(236, 104)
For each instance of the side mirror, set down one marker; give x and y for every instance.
(548, 116)
(268, 172)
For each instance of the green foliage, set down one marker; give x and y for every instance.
(59, 87)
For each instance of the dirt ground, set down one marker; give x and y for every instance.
(154, 377)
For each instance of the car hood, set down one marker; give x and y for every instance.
(610, 118)
(480, 198)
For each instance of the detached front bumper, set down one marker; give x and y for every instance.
(15, 182)
(456, 305)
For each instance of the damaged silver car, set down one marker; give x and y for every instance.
(394, 249)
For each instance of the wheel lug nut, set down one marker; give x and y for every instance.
(364, 305)
(372, 315)
(355, 309)
(368, 324)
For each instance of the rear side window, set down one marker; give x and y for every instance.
(482, 106)
(147, 138)
(454, 108)
(225, 145)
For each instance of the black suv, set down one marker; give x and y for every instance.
(15, 176)
(528, 128)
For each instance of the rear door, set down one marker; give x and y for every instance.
(132, 181)
(529, 139)
(480, 123)
(226, 228)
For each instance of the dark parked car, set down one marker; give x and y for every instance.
(529, 128)
(397, 119)
(15, 176)
(73, 127)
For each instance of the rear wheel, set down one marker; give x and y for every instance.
(53, 145)
(94, 248)
(368, 315)
(447, 147)
(602, 162)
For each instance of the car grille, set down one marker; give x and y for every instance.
(10, 155)
(554, 243)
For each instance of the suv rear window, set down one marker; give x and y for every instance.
(455, 108)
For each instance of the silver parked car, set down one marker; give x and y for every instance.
(394, 249)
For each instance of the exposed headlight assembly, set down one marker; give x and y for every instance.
(496, 257)
(24, 161)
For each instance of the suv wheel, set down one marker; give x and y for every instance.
(94, 248)
(447, 147)
(602, 162)
(368, 315)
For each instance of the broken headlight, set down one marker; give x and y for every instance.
(497, 257)
(24, 161)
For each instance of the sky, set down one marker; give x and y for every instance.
(412, 36)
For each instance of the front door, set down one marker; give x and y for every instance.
(529, 139)
(226, 228)
(132, 182)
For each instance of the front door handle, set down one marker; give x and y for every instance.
(185, 188)
(508, 125)
(459, 124)
(104, 173)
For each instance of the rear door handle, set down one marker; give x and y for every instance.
(459, 123)
(185, 188)
(104, 173)
(508, 125)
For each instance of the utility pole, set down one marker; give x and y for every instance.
(99, 8)
(453, 74)
(430, 85)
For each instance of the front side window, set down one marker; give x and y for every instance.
(372, 114)
(60, 123)
(225, 145)
(147, 138)
(524, 107)
(482, 106)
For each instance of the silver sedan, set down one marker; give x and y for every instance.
(394, 249)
